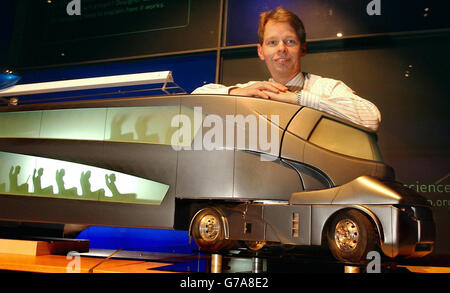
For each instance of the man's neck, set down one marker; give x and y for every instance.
(284, 79)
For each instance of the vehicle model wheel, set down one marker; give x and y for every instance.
(351, 235)
(255, 245)
(208, 230)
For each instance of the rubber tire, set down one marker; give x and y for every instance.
(367, 240)
(219, 243)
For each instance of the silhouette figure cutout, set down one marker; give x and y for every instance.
(71, 192)
(86, 187)
(14, 186)
(116, 129)
(111, 183)
(141, 127)
(38, 190)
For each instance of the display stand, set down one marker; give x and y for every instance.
(42, 247)
(216, 263)
(257, 265)
(352, 269)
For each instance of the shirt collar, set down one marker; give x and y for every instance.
(296, 83)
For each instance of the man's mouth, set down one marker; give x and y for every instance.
(281, 60)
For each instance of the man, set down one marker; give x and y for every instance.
(282, 44)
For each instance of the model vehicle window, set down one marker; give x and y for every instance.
(346, 140)
(123, 124)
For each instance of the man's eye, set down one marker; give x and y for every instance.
(291, 42)
(271, 43)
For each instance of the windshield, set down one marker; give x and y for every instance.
(347, 140)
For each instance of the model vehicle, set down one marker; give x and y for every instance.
(116, 163)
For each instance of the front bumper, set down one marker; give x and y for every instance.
(413, 232)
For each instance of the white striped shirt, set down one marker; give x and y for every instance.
(324, 94)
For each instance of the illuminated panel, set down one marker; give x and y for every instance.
(88, 124)
(20, 124)
(142, 124)
(34, 176)
(151, 125)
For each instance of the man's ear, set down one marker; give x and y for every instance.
(303, 48)
(260, 52)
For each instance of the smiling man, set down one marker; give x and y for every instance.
(282, 44)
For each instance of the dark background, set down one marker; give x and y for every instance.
(398, 60)
(46, 35)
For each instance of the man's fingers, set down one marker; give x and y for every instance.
(287, 97)
(259, 90)
(259, 94)
(267, 87)
(271, 86)
(270, 95)
(280, 86)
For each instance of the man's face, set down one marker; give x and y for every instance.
(281, 51)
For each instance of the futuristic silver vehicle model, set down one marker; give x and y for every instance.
(193, 162)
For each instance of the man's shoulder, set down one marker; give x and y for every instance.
(320, 84)
(314, 79)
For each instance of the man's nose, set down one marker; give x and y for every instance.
(282, 47)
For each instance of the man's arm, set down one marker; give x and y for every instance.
(336, 98)
(213, 89)
(342, 102)
(325, 94)
(255, 89)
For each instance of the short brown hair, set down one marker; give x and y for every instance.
(281, 15)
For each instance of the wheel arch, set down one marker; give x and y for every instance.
(365, 211)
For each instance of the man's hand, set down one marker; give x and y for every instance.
(259, 90)
(287, 97)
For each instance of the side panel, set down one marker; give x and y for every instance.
(245, 221)
(293, 147)
(258, 172)
(288, 224)
(129, 141)
(262, 123)
(234, 153)
(38, 209)
(304, 122)
(83, 187)
(256, 178)
(205, 164)
(341, 169)
(205, 174)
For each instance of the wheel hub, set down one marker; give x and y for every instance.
(346, 235)
(209, 228)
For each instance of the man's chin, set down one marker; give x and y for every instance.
(283, 72)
